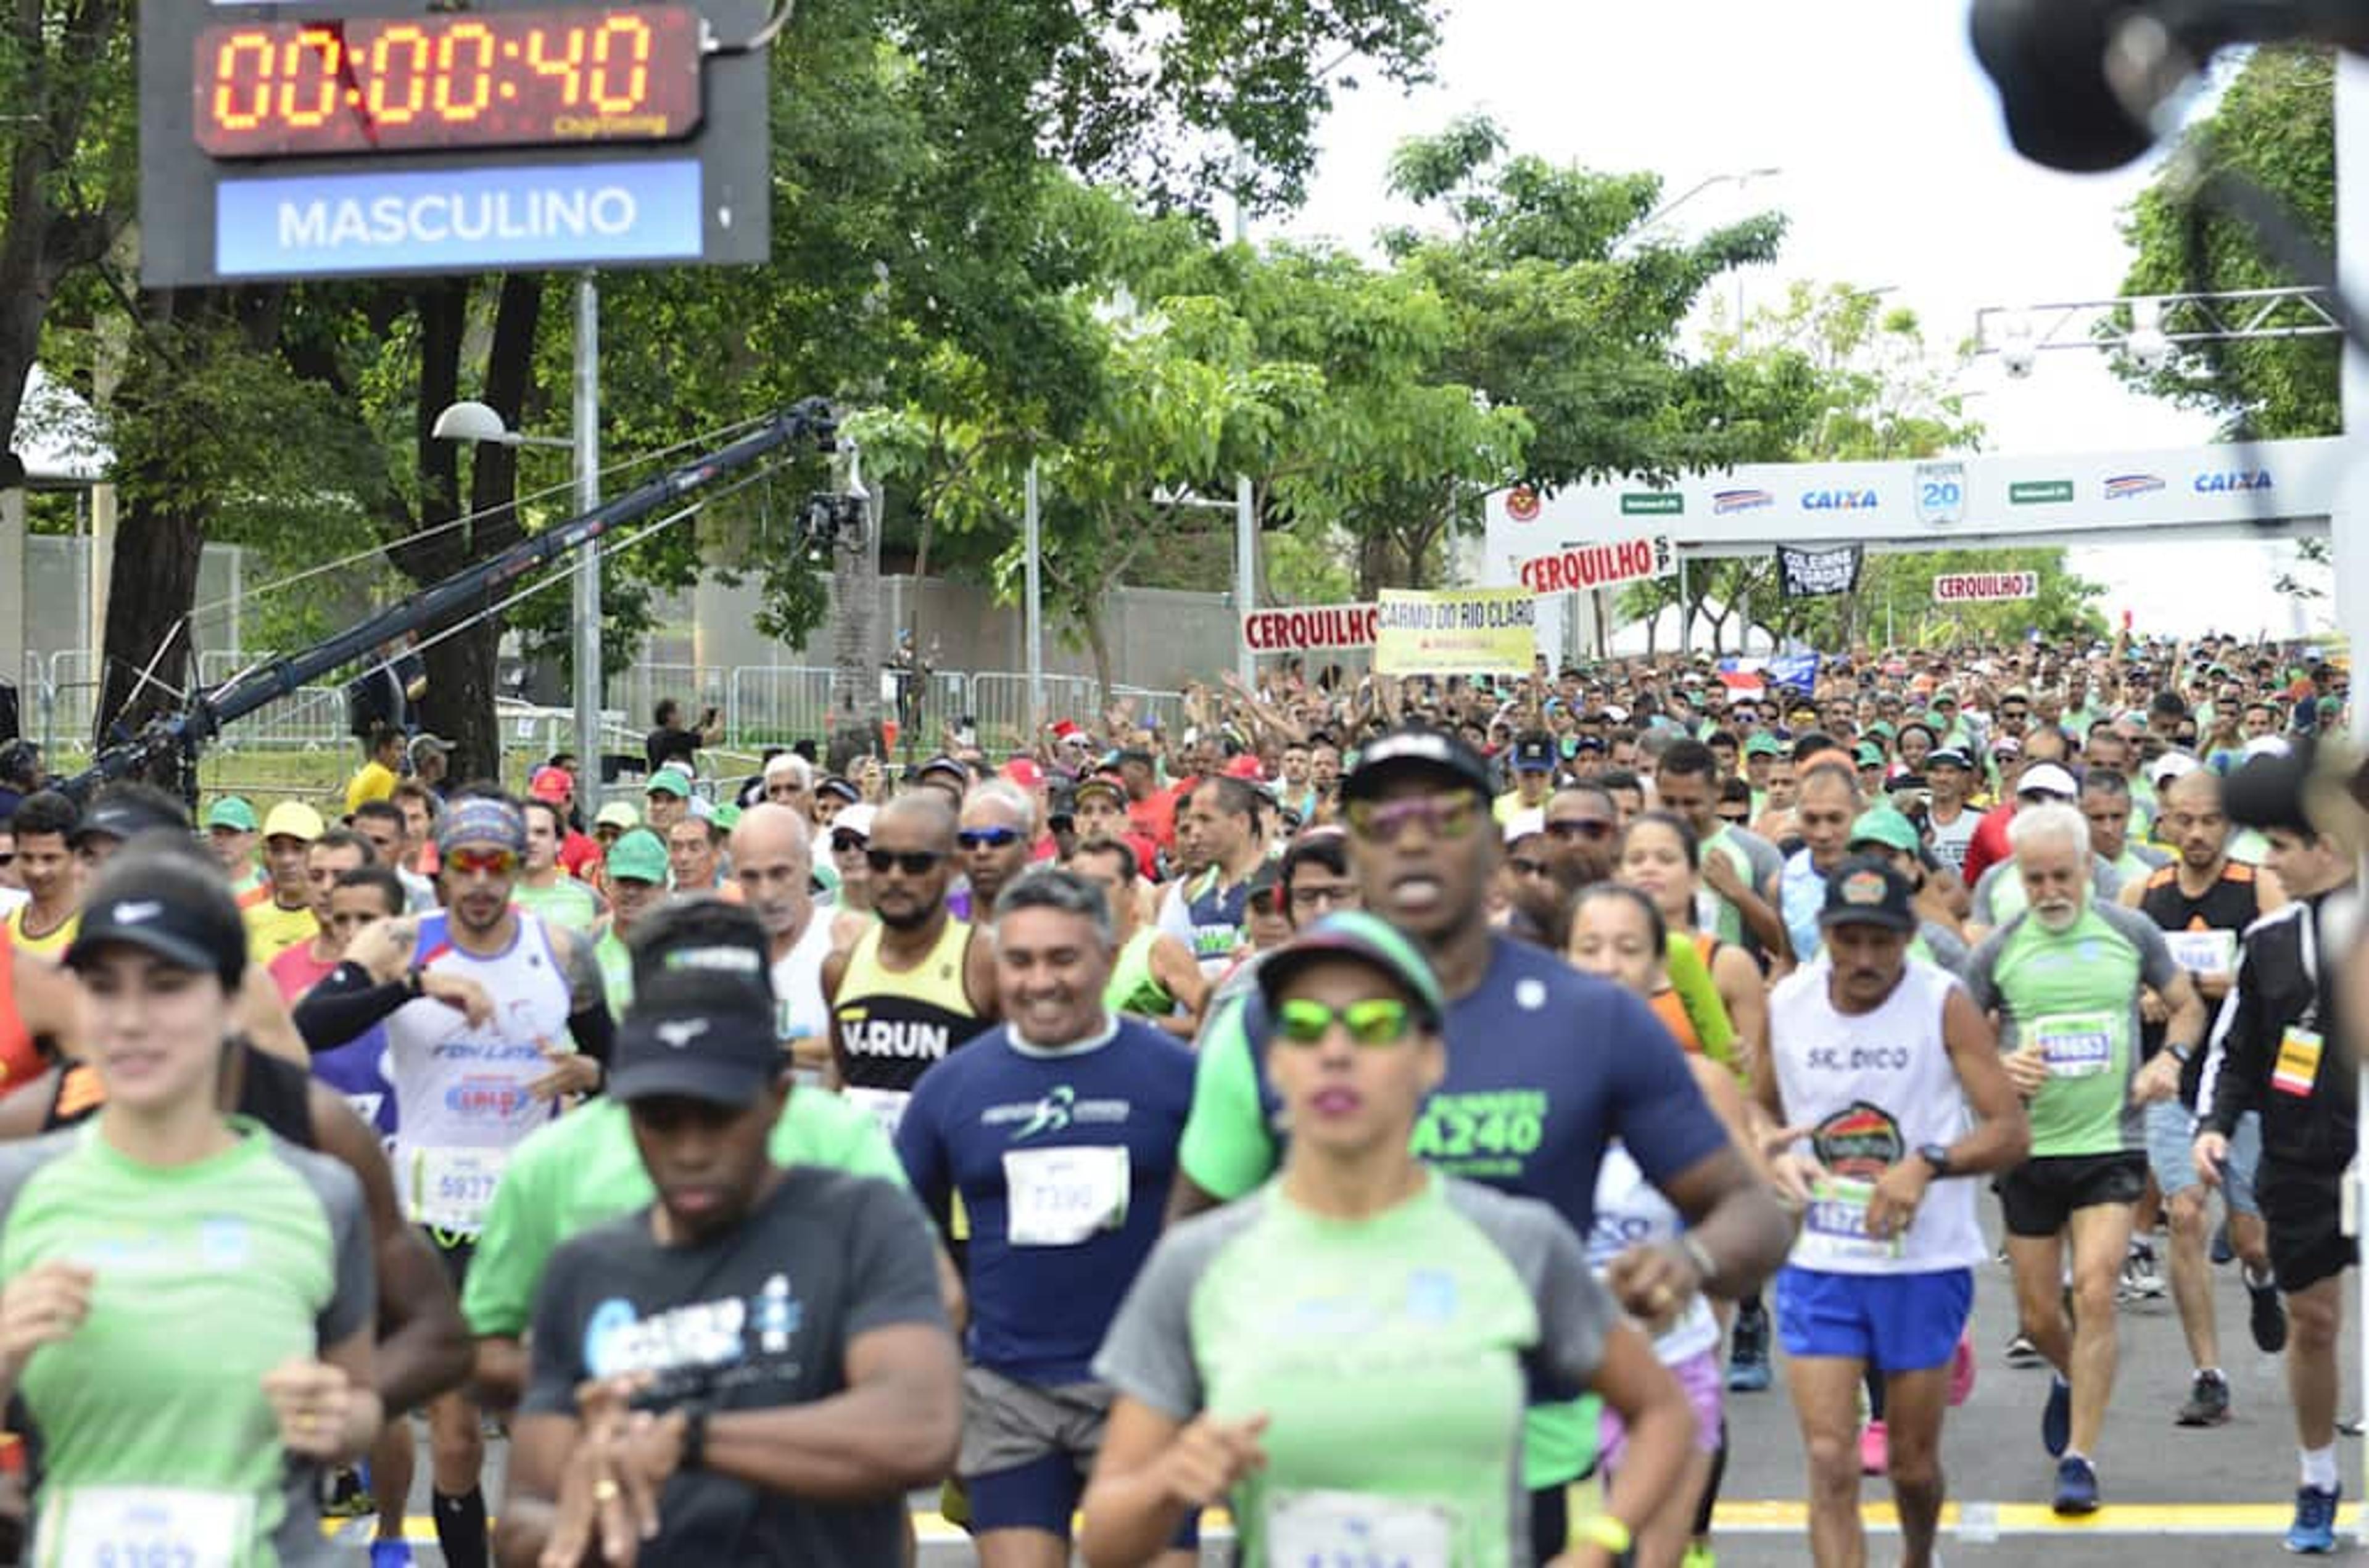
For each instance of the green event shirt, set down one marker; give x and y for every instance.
(1393, 1354)
(583, 1170)
(156, 1435)
(616, 962)
(567, 902)
(2076, 992)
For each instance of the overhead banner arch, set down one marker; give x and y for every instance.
(2270, 490)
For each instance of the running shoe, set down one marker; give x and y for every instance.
(2076, 1485)
(2056, 1417)
(1874, 1449)
(2268, 1315)
(1699, 1555)
(2021, 1352)
(391, 1554)
(2208, 1401)
(2314, 1531)
(1962, 1369)
(1747, 1355)
(2141, 1282)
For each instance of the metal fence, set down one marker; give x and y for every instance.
(760, 706)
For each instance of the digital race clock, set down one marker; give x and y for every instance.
(583, 76)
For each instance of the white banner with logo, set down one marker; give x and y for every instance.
(1985, 587)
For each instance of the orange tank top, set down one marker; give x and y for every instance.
(1671, 1009)
(20, 1061)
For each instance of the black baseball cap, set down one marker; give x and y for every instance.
(1864, 890)
(1534, 753)
(1417, 749)
(694, 1041)
(181, 913)
(125, 818)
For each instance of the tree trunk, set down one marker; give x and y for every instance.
(460, 702)
(854, 660)
(1098, 643)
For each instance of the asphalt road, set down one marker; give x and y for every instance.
(2183, 1498)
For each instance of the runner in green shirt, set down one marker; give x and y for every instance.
(544, 887)
(1348, 1353)
(117, 1237)
(2062, 978)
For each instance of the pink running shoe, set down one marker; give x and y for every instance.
(1962, 1370)
(1874, 1449)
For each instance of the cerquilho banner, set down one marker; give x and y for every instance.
(1985, 587)
(1591, 564)
(1309, 626)
(1462, 630)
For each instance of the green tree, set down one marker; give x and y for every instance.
(2275, 126)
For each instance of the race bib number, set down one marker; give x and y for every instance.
(453, 1188)
(2203, 951)
(147, 1527)
(1058, 1197)
(884, 1106)
(1352, 1530)
(1836, 1222)
(2298, 1065)
(2076, 1045)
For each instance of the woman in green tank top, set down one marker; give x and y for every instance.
(1344, 1355)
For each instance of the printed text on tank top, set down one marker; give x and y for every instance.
(894, 1023)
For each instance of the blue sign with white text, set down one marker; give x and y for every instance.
(458, 219)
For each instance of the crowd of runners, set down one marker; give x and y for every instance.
(1348, 1119)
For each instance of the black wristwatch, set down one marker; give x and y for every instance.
(1936, 1155)
(695, 1435)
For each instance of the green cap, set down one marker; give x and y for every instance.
(639, 855)
(1354, 934)
(728, 817)
(1884, 825)
(1871, 756)
(1883, 727)
(230, 811)
(670, 781)
(1762, 745)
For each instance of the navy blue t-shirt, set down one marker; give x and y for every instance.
(1545, 1065)
(1064, 1160)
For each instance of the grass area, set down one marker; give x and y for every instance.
(264, 776)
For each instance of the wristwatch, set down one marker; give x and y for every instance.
(1936, 1155)
(695, 1435)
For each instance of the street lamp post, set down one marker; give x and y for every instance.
(476, 422)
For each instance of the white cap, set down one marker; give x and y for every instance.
(855, 818)
(2169, 766)
(703, 808)
(1616, 713)
(2267, 746)
(1522, 824)
(2047, 778)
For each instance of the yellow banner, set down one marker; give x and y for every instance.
(1456, 631)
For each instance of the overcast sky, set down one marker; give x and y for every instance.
(1894, 172)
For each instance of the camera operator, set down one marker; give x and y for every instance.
(671, 741)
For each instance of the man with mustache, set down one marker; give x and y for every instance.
(2063, 981)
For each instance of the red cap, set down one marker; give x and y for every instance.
(1023, 772)
(1246, 767)
(1066, 728)
(551, 784)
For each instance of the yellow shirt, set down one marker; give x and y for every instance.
(375, 781)
(272, 931)
(52, 946)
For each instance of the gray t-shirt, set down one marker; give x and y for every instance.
(757, 1319)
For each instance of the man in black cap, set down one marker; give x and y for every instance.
(1545, 1065)
(1532, 764)
(708, 1370)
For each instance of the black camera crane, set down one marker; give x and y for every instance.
(182, 733)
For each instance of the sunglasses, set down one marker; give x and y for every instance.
(1442, 815)
(486, 863)
(1594, 830)
(986, 838)
(9, 858)
(912, 863)
(1376, 1021)
(847, 843)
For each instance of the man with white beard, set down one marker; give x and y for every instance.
(2063, 979)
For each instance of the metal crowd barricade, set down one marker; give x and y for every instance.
(775, 704)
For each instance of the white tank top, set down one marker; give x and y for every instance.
(1877, 1087)
(1631, 1211)
(461, 1093)
(799, 1011)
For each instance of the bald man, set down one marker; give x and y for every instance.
(772, 865)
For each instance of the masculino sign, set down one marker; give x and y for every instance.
(1576, 567)
(1311, 626)
(1985, 587)
(1467, 630)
